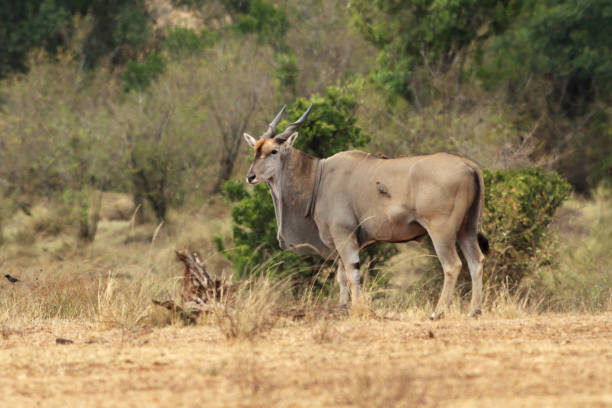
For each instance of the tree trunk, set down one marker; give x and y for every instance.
(89, 216)
(225, 171)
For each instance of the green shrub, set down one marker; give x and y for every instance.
(265, 19)
(139, 75)
(331, 126)
(330, 129)
(181, 41)
(83, 206)
(286, 72)
(519, 206)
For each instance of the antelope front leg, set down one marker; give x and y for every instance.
(341, 278)
(348, 249)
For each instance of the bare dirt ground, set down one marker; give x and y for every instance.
(539, 361)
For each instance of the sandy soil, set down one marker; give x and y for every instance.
(539, 361)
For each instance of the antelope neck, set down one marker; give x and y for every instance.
(294, 190)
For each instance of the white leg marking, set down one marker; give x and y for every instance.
(353, 271)
(475, 258)
(341, 278)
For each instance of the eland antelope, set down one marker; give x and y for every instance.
(336, 206)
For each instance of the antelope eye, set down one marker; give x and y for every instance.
(274, 151)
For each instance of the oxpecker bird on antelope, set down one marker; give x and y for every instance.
(336, 206)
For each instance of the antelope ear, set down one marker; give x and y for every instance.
(291, 139)
(249, 139)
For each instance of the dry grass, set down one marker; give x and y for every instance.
(383, 352)
(539, 361)
(581, 277)
(109, 283)
(254, 310)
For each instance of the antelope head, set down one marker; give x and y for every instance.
(270, 148)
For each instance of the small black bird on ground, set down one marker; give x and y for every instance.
(11, 278)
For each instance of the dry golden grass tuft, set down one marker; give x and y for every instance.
(391, 388)
(323, 331)
(125, 305)
(254, 311)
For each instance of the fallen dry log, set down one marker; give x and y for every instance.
(199, 291)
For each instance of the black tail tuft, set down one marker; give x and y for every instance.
(483, 243)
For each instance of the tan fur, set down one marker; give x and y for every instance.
(265, 146)
(258, 144)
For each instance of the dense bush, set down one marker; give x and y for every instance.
(182, 42)
(331, 128)
(567, 41)
(519, 206)
(265, 19)
(26, 24)
(426, 34)
(287, 73)
(117, 28)
(139, 75)
(156, 161)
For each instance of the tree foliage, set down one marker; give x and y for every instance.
(54, 148)
(265, 19)
(428, 34)
(181, 42)
(331, 125)
(566, 46)
(119, 27)
(566, 41)
(139, 75)
(26, 24)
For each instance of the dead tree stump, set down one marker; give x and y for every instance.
(199, 292)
